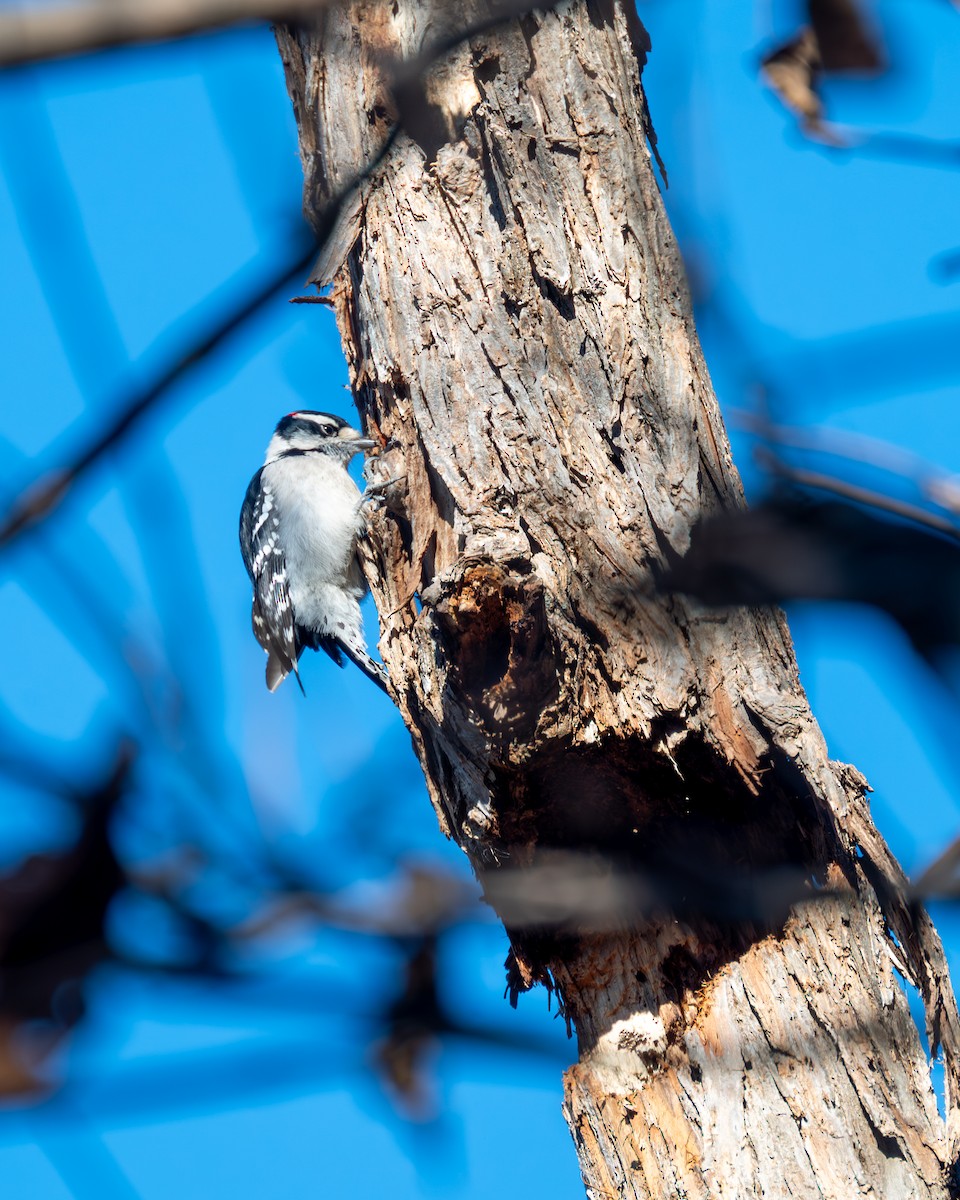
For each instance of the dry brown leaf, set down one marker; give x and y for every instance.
(793, 70)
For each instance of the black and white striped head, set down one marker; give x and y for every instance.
(308, 432)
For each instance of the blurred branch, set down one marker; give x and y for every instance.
(792, 547)
(899, 147)
(52, 933)
(845, 38)
(194, 672)
(41, 498)
(859, 495)
(87, 581)
(30, 771)
(945, 266)
(938, 486)
(599, 893)
(81, 1158)
(173, 689)
(259, 1066)
(836, 38)
(421, 119)
(909, 148)
(37, 34)
(51, 225)
(939, 881)
(854, 447)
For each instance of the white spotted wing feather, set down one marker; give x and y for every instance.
(273, 619)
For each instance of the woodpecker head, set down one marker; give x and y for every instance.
(307, 432)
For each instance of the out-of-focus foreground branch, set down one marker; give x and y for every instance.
(56, 31)
(206, 333)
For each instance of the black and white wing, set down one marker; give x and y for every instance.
(273, 619)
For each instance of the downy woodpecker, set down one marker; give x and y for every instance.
(299, 525)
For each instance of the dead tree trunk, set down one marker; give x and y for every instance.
(514, 313)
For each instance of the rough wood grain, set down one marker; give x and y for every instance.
(519, 334)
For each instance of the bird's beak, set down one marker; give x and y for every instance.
(356, 439)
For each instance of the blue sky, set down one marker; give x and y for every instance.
(182, 175)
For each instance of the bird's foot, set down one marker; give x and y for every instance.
(375, 492)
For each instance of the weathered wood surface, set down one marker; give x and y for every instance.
(513, 310)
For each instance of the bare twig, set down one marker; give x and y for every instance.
(940, 487)
(860, 495)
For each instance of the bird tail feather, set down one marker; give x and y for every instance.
(278, 668)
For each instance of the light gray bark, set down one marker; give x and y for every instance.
(513, 311)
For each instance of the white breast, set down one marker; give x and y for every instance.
(320, 521)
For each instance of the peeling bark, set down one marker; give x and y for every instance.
(513, 309)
